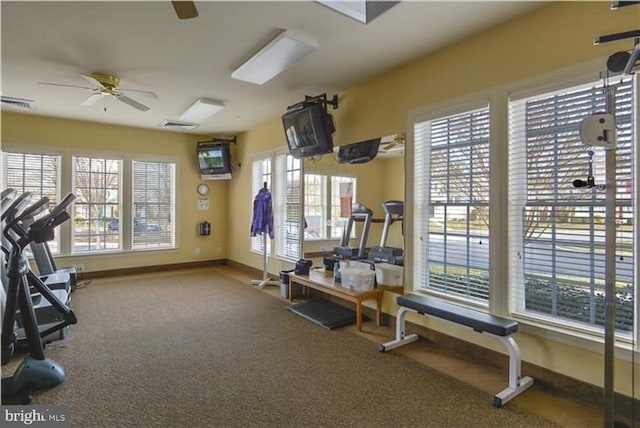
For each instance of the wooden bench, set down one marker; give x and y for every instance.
(481, 322)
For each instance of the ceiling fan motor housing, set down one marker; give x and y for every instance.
(107, 80)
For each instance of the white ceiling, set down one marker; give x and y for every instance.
(146, 45)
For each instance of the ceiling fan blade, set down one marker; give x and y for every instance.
(133, 103)
(94, 82)
(185, 9)
(138, 94)
(60, 84)
(91, 100)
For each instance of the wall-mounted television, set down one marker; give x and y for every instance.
(360, 152)
(308, 128)
(214, 160)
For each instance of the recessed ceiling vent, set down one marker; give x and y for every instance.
(17, 103)
(175, 124)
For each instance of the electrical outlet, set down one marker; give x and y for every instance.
(80, 267)
(197, 251)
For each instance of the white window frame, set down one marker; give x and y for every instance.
(105, 233)
(540, 87)
(332, 225)
(418, 164)
(54, 245)
(155, 239)
(501, 296)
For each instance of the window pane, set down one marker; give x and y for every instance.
(558, 230)
(35, 173)
(97, 205)
(314, 206)
(338, 221)
(452, 161)
(153, 205)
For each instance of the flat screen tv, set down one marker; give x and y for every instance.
(214, 160)
(360, 152)
(308, 129)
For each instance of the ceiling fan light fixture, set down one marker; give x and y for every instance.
(275, 57)
(201, 110)
(363, 11)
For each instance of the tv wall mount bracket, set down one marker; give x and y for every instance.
(322, 98)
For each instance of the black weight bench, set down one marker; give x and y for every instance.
(501, 328)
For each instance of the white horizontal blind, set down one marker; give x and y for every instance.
(153, 210)
(35, 173)
(451, 197)
(289, 211)
(96, 185)
(557, 231)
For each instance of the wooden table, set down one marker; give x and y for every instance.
(318, 280)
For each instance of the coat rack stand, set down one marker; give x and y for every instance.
(265, 274)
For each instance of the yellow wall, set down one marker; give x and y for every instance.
(24, 131)
(547, 39)
(553, 37)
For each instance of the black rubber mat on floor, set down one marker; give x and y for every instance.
(325, 314)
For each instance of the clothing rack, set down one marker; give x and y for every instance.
(265, 273)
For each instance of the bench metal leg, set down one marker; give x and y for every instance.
(400, 339)
(516, 384)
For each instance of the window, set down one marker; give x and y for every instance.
(451, 204)
(153, 213)
(315, 213)
(35, 173)
(338, 220)
(322, 209)
(557, 230)
(281, 173)
(97, 186)
(288, 206)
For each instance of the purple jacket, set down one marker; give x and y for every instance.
(262, 221)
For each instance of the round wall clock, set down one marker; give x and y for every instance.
(203, 189)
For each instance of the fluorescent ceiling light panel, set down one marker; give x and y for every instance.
(201, 110)
(279, 54)
(174, 124)
(364, 11)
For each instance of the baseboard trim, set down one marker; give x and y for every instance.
(151, 269)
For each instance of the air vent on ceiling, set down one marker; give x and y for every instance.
(17, 103)
(174, 124)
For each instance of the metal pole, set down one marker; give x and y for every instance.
(610, 271)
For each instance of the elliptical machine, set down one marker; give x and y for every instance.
(35, 371)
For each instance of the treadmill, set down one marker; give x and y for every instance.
(393, 212)
(359, 213)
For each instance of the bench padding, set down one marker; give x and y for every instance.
(479, 321)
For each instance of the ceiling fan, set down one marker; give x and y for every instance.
(392, 143)
(106, 84)
(185, 9)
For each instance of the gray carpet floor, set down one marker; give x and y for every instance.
(198, 349)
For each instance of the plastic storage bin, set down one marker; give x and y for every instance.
(388, 274)
(358, 279)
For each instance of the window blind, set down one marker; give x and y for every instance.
(153, 208)
(451, 198)
(557, 231)
(289, 212)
